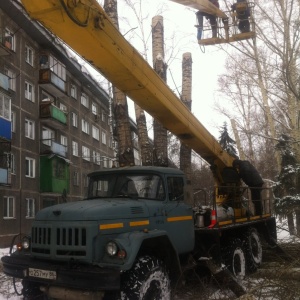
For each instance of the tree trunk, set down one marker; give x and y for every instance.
(237, 139)
(120, 108)
(291, 225)
(145, 146)
(160, 153)
(186, 98)
(297, 212)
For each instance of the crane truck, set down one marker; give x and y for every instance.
(139, 227)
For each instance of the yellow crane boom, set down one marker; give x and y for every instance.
(204, 6)
(85, 27)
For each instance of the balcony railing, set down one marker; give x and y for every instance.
(59, 149)
(48, 110)
(4, 82)
(52, 82)
(5, 129)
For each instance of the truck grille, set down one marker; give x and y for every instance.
(66, 241)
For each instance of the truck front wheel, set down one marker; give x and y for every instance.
(147, 280)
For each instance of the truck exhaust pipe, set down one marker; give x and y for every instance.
(71, 294)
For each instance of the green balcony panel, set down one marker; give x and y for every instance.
(54, 174)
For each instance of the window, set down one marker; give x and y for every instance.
(94, 108)
(30, 167)
(9, 208)
(57, 68)
(74, 148)
(96, 157)
(76, 178)
(175, 188)
(11, 78)
(5, 107)
(104, 137)
(95, 132)
(30, 208)
(13, 121)
(85, 126)
(12, 164)
(29, 55)
(103, 117)
(74, 120)
(86, 153)
(63, 107)
(84, 100)
(105, 162)
(9, 39)
(48, 136)
(29, 91)
(64, 140)
(73, 91)
(29, 129)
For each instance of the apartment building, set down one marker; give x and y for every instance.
(55, 123)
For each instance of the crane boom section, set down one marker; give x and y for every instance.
(85, 27)
(204, 6)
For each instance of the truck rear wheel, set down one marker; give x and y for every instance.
(235, 258)
(253, 248)
(147, 280)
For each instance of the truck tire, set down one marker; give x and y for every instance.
(253, 249)
(147, 280)
(235, 258)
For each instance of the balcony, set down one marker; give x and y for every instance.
(59, 149)
(4, 82)
(50, 147)
(52, 83)
(5, 129)
(5, 171)
(5, 46)
(54, 174)
(52, 115)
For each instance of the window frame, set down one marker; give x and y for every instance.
(74, 119)
(75, 149)
(29, 131)
(30, 167)
(7, 210)
(29, 55)
(29, 95)
(85, 126)
(30, 209)
(84, 99)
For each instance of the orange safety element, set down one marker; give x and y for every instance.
(213, 220)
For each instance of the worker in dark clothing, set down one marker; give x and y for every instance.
(242, 13)
(212, 20)
(252, 178)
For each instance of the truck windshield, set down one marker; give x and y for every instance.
(146, 186)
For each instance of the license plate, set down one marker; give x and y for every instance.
(45, 274)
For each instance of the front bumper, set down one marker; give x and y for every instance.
(70, 275)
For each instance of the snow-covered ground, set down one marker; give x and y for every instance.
(7, 288)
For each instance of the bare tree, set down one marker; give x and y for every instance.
(120, 106)
(262, 83)
(186, 98)
(160, 153)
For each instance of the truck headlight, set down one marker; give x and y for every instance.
(111, 248)
(25, 242)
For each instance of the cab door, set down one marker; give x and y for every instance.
(179, 220)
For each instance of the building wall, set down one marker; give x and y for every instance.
(25, 188)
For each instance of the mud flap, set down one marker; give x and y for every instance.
(225, 278)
